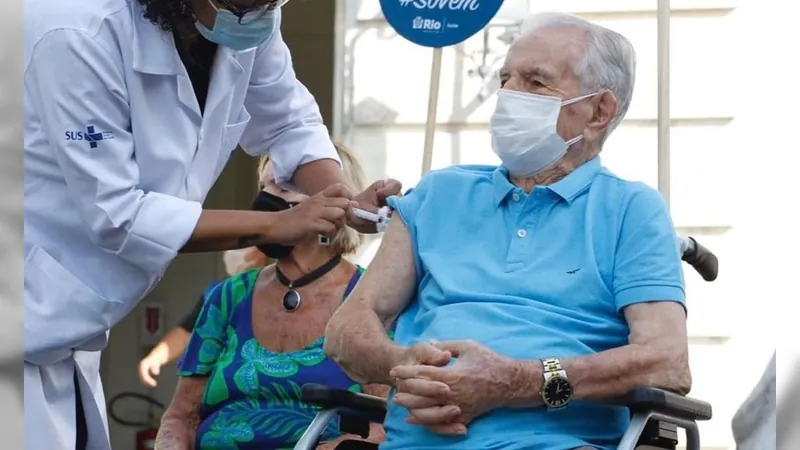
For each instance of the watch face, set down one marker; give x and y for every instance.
(557, 392)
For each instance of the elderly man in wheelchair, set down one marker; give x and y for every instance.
(537, 304)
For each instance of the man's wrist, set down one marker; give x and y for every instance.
(396, 356)
(371, 370)
(525, 380)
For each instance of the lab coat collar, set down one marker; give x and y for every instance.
(153, 49)
(154, 53)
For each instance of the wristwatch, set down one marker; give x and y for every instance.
(556, 389)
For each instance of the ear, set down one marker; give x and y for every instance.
(605, 106)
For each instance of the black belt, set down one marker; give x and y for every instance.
(81, 429)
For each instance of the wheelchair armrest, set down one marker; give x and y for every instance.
(361, 406)
(668, 403)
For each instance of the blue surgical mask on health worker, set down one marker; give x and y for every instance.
(254, 28)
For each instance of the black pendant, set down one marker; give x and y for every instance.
(291, 300)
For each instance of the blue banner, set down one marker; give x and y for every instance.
(439, 23)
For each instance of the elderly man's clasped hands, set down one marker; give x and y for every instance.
(446, 385)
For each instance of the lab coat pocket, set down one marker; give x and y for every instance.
(232, 133)
(61, 313)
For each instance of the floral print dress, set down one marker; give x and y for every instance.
(252, 398)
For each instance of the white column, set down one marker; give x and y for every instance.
(663, 99)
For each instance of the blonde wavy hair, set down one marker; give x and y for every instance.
(244, 259)
(347, 240)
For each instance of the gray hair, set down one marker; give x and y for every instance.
(609, 60)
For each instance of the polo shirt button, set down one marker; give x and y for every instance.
(521, 233)
(515, 197)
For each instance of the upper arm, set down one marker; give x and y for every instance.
(285, 118)
(660, 324)
(658, 334)
(389, 284)
(391, 280)
(647, 263)
(77, 85)
(208, 336)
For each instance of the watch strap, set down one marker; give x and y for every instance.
(552, 366)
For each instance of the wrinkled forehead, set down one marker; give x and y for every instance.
(551, 52)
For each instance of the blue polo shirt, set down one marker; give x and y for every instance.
(532, 276)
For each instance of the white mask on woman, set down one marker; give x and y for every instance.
(523, 129)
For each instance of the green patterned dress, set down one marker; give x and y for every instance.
(252, 398)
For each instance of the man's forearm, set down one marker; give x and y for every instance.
(608, 374)
(359, 345)
(316, 176)
(220, 230)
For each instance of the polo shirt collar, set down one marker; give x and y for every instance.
(575, 183)
(567, 188)
(502, 185)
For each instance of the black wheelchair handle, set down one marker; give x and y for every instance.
(703, 260)
(349, 403)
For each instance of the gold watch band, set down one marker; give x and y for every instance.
(552, 365)
(553, 372)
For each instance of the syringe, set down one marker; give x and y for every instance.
(381, 219)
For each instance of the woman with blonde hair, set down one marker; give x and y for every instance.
(259, 338)
(347, 240)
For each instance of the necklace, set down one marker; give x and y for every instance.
(291, 299)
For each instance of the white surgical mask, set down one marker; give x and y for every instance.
(523, 129)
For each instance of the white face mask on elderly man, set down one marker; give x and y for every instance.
(523, 129)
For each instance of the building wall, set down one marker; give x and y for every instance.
(384, 103)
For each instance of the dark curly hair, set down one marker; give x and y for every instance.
(178, 17)
(175, 16)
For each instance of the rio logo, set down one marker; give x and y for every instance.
(426, 24)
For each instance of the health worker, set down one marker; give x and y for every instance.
(132, 109)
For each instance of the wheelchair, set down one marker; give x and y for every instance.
(656, 414)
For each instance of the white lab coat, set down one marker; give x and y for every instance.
(104, 217)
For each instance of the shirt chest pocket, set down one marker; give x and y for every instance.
(232, 133)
